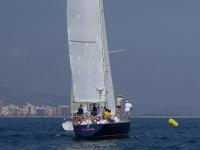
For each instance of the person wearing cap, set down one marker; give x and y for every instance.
(118, 103)
(128, 108)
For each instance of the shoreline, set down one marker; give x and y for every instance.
(30, 117)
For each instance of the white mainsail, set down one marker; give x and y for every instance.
(88, 50)
(85, 49)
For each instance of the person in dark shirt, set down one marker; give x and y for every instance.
(80, 110)
(94, 110)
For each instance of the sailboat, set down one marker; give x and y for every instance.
(91, 79)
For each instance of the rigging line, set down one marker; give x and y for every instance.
(116, 51)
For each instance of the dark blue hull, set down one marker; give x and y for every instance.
(102, 130)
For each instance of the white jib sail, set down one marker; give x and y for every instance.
(86, 50)
(109, 85)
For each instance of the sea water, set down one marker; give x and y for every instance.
(145, 134)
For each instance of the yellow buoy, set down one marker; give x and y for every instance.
(173, 122)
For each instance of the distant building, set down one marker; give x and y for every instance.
(40, 111)
(30, 109)
(50, 111)
(12, 110)
(63, 110)
(22, 111)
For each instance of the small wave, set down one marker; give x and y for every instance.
(163, 138)
(57, 135)
(192, 141)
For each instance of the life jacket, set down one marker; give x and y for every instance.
(106, 115)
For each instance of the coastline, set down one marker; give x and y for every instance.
(30, 117)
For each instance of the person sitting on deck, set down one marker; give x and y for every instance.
(106, 114)
(80, 110)
(78, 117)
(94, 110)
(98, 111)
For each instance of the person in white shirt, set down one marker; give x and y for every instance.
(128, 108)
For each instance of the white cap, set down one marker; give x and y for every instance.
(119, 95)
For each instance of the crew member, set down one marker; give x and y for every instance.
(80, 110)
(128, 108)
(94, 110)
(118, 103)
(106, 114)
(78, 117)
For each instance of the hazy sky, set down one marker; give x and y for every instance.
(160, 70)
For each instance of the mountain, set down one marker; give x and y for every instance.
(11, 96)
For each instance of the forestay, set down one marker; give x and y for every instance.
(86, 50)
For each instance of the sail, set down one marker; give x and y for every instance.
(86, 50)
(109, 85)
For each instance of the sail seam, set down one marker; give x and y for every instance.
(76, 41)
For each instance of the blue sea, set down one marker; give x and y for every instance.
(145, 134)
